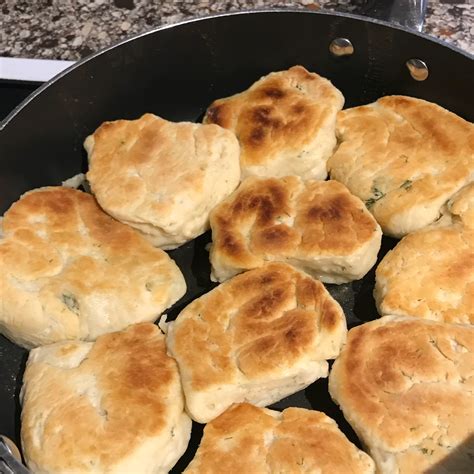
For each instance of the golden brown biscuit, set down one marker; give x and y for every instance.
(317, 226)
(259, 337)
(112, 406)
(162, 177)
(430, 273)
(404, 157)
(406, 386)
(247, 439)
(460, 208)
(285, 123)
(69, 271)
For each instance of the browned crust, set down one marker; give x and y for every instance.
(250, 439)
(282, 111)
(258, 323)
(429, 274)
(405, 157)
(60, 247)
(406, 386)
(254, 224)
(135, 380)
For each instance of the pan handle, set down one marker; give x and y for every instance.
(9, 464)
(408, 13)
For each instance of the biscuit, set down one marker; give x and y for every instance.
(160, 177)
(404, 157)
(285, 123)
(114, 405)
(259, 337)
(70, 271)
(406, 386)
(430, 273)
(460, 208)
(317, 226)
(247, 439)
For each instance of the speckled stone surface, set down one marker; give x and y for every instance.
(72, 29)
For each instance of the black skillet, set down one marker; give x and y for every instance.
(176, 72)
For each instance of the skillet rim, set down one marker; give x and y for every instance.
(278, 10)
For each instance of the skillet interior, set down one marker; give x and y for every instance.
(176, 72)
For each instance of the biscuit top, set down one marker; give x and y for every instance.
(289, 218)
(250, 439)
(281, 112)
(461, 206)
(152, 171)
(52, 220)
(62, 248)
(401, 152)
(257, 324)
(88, 406)
(430, 273)
(406, 385)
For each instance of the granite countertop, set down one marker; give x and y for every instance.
(72, 29)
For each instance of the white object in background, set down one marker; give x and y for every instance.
(36, 70)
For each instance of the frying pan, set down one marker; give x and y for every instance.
(176, 72)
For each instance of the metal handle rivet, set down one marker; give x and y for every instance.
(418, 69)
(341, 47)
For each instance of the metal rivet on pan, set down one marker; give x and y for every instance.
(418, 69)
(341, 47)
